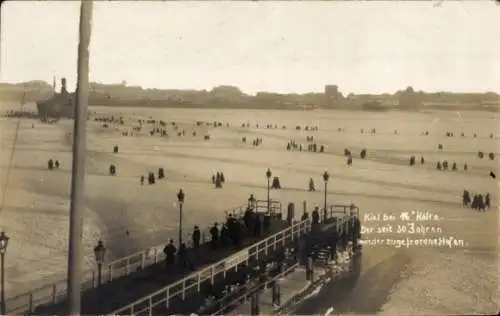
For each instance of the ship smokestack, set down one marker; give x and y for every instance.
(63, 86)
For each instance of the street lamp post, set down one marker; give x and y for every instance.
(326, 176)
(4, 241)
(180, 199)
(99, 252)
(268, 175)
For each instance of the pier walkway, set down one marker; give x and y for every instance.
(163, 300)
(137, 266)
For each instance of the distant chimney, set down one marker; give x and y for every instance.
(63, 86)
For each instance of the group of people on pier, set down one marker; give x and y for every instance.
(231, 233)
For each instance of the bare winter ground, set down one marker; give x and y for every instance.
(414, 280)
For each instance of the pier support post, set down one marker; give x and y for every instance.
(290, 213)
(254, 304)
(277, 293)
(309, 269)
(304, 206)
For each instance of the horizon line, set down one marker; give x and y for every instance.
(128, 85)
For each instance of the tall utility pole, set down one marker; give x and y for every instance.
(75, 248)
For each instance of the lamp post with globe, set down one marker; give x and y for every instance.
(326, 177)
(268, 176)
(99, 253)
(180, 199)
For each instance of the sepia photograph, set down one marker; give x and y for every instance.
(249, 157)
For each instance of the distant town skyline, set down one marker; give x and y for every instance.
(282, 47)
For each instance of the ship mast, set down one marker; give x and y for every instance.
(54, 82)
(75, 247)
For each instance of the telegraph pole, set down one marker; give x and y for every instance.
(75, 249)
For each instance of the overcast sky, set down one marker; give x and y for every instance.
(365, 47)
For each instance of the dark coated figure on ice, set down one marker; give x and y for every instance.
(347, 152)
(454, 166)
(151, 178)
(487, 202)
(480, 154)
(440, 146)
(276, 183)
(466, 198)
(57, 164)
(363, 154)
(349, 161)
(50, 164)
(466, 167)
(161, 173)
(438, 165)
(445, 165)
(491, 156)
(422, 160)
(412, 160)
(142, 180)
(112, 170)
(311, 185)
(218, 180)
(115, 149)
(478, 203)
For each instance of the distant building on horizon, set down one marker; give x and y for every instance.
(332, 95)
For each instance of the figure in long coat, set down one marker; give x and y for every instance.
(311, 185)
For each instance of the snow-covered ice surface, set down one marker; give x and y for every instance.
(415, 280)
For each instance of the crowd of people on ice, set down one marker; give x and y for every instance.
(478, 202)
